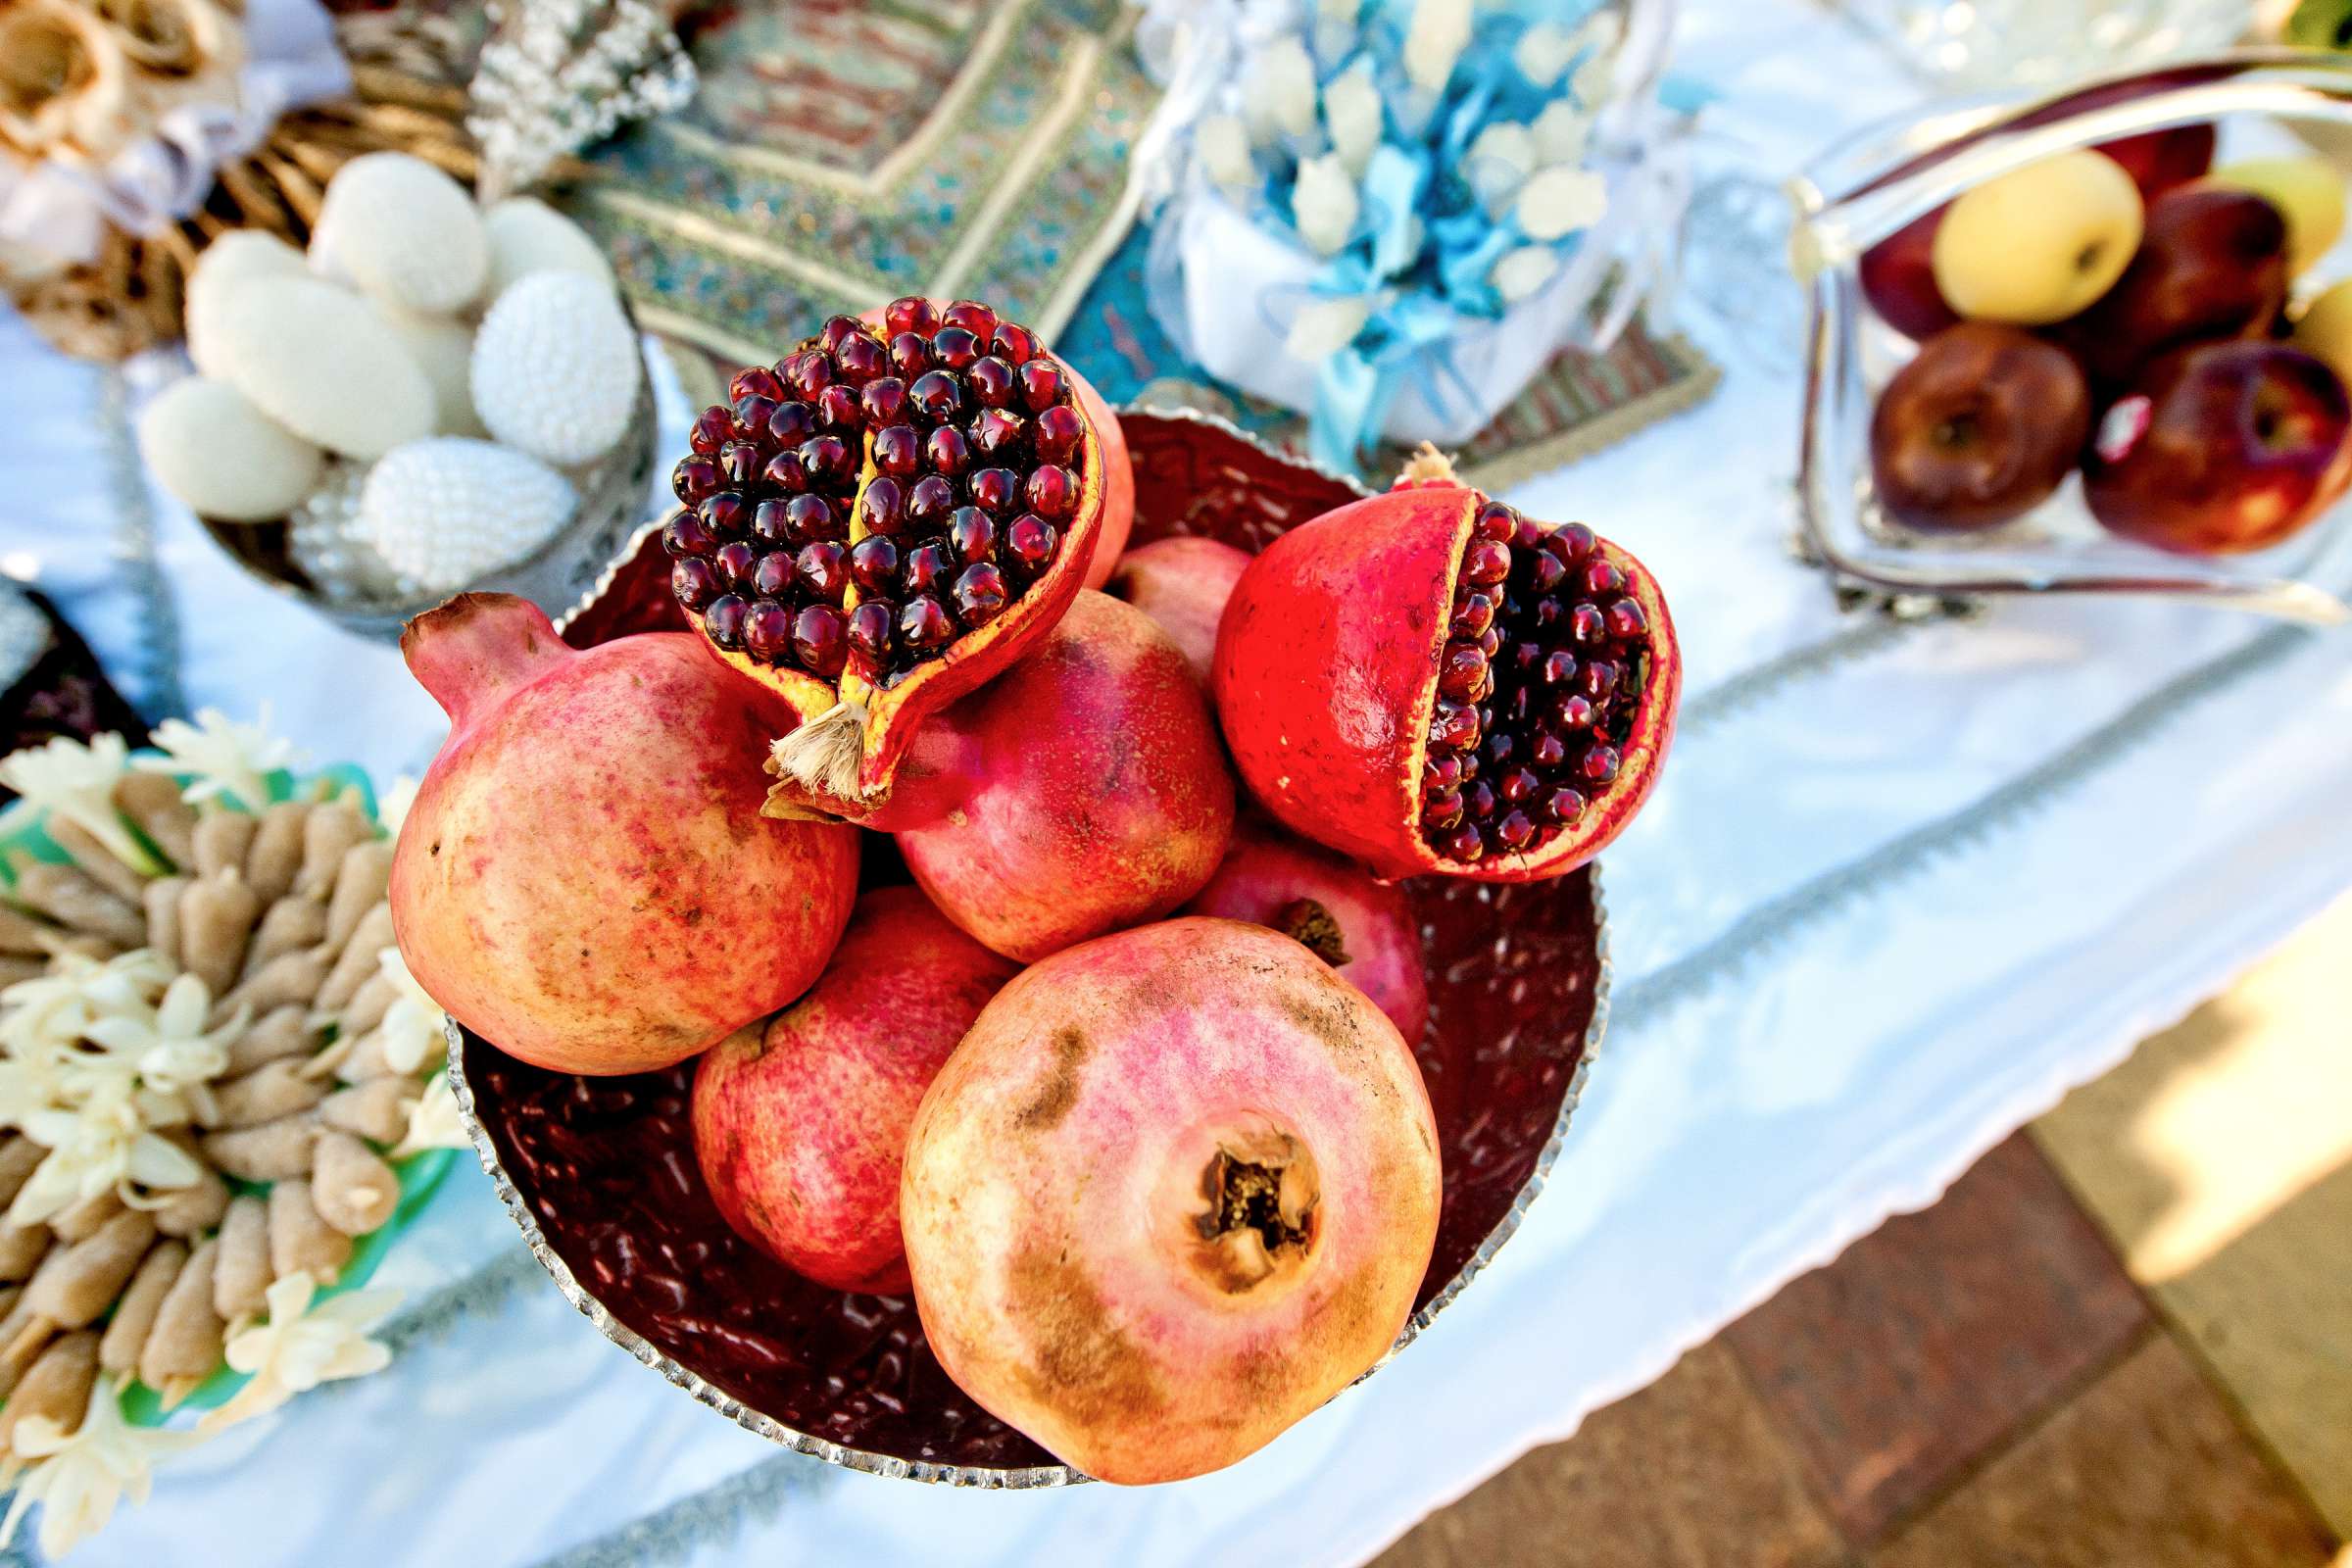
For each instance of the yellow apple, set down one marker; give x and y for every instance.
(2308, 193)
(2324, 330)
(2040, 243)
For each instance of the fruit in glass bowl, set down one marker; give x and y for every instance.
(1981, 427)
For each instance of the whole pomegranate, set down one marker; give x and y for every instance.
(1429, 682)
(1177, 1188)
(585, 879)
(1182, 583)
(1082, 791)
(894, 513)
(800, 1128)
(1360, 926)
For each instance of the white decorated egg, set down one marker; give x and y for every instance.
(555, 369)
(220, 456)
(319, 360)
(404, 232)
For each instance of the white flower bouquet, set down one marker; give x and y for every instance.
(1391, 214)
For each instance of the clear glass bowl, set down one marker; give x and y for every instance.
(1864, 189)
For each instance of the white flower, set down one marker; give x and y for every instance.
(1601, 33)
(227, 760)
(433, 1121)
(78, 1477)
(1353, 113)
(1520, 272)
(105, 1143)
(412, 1028)
(1323, 327)
(77, 782)
(1559, 201)
(298, 1348)
(50, 1015)
(1561, 131)
(169, 1043)
(1498, 161)
(392, 805)
(1224, 147)
(1543, 51)
(1440, 30)
(1279, 92)
(1324, 206)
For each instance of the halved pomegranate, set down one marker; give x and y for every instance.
(892, 515)
(1430, 682)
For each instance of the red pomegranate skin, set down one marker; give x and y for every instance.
(1330, 905)
(1176, 1189)
(1182, 583)
(585, 879)
(801, 1127)
(1082, 791)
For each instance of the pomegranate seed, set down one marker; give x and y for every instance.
(767, 630)
(1464, 844)
(687, 535)
(791, 425)
(825, 459)
(1498, 747)
(1473, 613)
(861, 359)
(1574, 712)
(937, 396)
(823, 571)
(870, 629)
(1441, 772)
(1599, 679)
(1549, 752)
(1497, 522)
(1031, 540)
(1051, 491)
(820, 639)
(734, 562)
(1442, 808)
(1602, 579)
(1558, 665)
(955, 348)
(808, 373)
(840, 409)
(929, 503)
(909, 355)
(1518, 784)
(1572, 542)
(1528, 534)
(1461, 672)
(1626, 620)
(808, 517)
(755, 382)
(784, 472)
(723, 621)
(740, 462)
(1515, 830)
(1041, 385)
(992, 382)
(839, 330)
(897, 451)
(1563, 804)
(980, 594)
(1479, 801)
(1012, 344)
(751, 413)
(924, 567)
(1486, 562)
(992, 489)
(884, 400)
(883, 507)
(924, 624)
(694, 581)
(723, 515)
(973, 317)
(1547, 573)
(1587, 626)
(1453, 727)
(772, 577)
(1599, 764)
(711, 428)
(912, 314)
(874, 564)
(972, 535)
(770, 522)
(1058, 433)
(694, 478)
(945, 451)
(998, 433)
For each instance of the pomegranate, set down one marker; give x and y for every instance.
(584, 878)
(1360, 926)
(1082, 791)
(894, 512)
(800, 1128)
(1182, 583)
(1177, 1188)
(1429, 682)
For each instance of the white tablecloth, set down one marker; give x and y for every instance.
(1900, 888)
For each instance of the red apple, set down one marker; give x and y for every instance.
(2222, 448)
(2212, 265)
(1898, 278)
(1981, 427)
(2161, 160)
